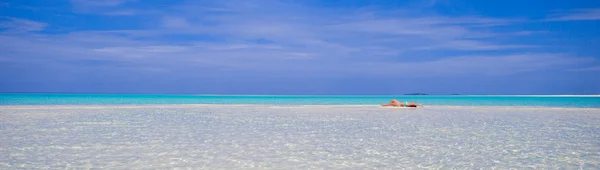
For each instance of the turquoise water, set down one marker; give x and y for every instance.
(290, 137)
(454, 100)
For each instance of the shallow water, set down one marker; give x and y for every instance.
(297, 137)
(574, 101)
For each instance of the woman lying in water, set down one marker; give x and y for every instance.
(396, 103)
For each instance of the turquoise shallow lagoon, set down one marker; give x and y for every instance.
(451, 100)
(256, 136)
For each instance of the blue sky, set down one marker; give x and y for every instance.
(300, 47)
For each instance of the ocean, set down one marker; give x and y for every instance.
(110, 131)
(581, 101)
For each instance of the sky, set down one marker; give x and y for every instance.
(379, 47)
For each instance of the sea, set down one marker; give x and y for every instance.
(143, 131)
(579, 101)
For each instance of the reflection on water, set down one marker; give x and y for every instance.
(298, 137)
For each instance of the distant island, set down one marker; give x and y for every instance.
(416, 94)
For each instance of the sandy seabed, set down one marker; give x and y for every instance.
(297, 137)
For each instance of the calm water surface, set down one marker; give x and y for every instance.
(297, 137)
(457, 100)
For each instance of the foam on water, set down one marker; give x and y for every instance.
(297, 137)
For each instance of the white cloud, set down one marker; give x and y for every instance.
(594, 68)
(141, 50)
(16, 24)
(104, 7)
(175, 22)
(575, 15)
(470, 45)
(291, 38)
(125, 12)
(482, 65)
(99, 3)
(342, 30)
(275, 58)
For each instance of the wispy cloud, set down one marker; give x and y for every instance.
(103, 7)
(124, 12)
(575, 15)
(249, 37)
(103, 3)
(345, 30)
(594, 68)
(261, 58)
(470, 45)
(16, 24)
(175, 22)
(4, 59)
(492, 65)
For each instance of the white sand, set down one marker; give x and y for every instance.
(297, 137)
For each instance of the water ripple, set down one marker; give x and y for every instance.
(260, 137)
